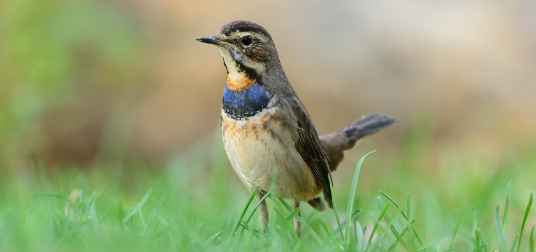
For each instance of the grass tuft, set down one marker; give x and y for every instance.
(351, 198)
(186, 207)
(524, 222)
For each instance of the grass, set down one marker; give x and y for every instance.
(194, 203)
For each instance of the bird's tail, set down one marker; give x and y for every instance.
(337, 142)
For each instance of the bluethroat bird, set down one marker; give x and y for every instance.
(269, 138)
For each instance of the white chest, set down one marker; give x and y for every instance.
(262, 153)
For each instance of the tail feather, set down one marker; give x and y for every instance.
(337, 142)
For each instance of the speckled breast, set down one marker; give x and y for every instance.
(260, 149)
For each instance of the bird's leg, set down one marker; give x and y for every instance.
(297, 224)
(263, 211)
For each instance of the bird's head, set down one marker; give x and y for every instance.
(246, 48)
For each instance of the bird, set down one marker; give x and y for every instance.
(268, 135)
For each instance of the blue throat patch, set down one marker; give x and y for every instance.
(246, 102)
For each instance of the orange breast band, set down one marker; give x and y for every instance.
(238, 81)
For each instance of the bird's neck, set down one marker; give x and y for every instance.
(241, 71)
(246, 102)
(238, 80)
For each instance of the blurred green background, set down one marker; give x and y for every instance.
(122, 86)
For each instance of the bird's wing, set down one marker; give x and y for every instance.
(310, 149)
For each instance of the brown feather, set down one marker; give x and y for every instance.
(310, 149)
(335, 143)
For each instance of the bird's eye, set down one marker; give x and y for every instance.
(247, 40)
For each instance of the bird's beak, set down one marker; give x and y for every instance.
(210, 40)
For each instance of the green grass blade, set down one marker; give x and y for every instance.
(309, 229)
(293, 214)
(343, 224)
(454, 234)
(140, 213)
(524, 222)
(393, 246)
(88, 203)
(393, 230)
(54, 195)
(305, 226)
(360, 236)
(394, 202)
(266, 195)
(352, 196)
(531, 242)
(475, 243)
(502, 245)
(514, 243)
(411, 239)
(286, 205)
(394, 217)
(405, 217)
(380, 218)
(138, 206)
(155, 211)
(335, 206)
(484, 246)
(244, 210)
(258, 204)
(287, 224)
(329, 230)
(423, 248)
(506, 205)
(213, 238)
(92, 215)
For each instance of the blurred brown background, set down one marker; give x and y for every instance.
(87, 80)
